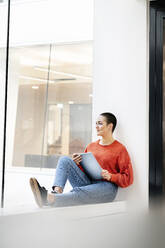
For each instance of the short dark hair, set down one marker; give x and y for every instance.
(110, 118)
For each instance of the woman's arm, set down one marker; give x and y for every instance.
(124, 177)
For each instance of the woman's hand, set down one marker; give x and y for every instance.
(76, 158)
(106, 175)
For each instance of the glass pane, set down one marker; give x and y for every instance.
(27, 90)
(57, 118)
(30, 103)
(27, 94)
(69, 111)
(49, 95)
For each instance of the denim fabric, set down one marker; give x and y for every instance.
(85, 190)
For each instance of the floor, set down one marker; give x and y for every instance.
(73, 227)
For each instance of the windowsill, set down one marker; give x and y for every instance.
(71, 213)
(31, 170)
(24, 201)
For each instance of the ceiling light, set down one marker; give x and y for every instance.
(60, 105)
(35, 87)
(71, 102)
(62, 73)
(36, 79)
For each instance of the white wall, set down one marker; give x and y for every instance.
(120, 82)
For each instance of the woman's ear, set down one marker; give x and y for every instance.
(110, 125)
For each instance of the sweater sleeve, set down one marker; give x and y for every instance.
(124, 177)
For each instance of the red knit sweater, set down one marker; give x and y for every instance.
(115, 159)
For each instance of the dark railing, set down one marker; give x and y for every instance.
(5, 107)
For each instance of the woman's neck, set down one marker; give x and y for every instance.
(106, 140)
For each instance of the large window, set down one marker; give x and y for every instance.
(49, 100)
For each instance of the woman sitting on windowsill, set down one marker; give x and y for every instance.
(116, 172)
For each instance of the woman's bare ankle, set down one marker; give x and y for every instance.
(50, 198)
(57, 189)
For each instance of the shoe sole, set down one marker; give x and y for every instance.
(36, 192)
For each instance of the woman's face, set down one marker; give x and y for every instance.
(102, 127)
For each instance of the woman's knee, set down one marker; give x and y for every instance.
(64, 160)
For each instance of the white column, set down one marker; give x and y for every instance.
(120, 82)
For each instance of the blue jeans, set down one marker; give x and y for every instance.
(85, 190)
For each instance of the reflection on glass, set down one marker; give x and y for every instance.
(54, 129)
(54, 102)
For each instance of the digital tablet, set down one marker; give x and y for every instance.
(91, 166)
